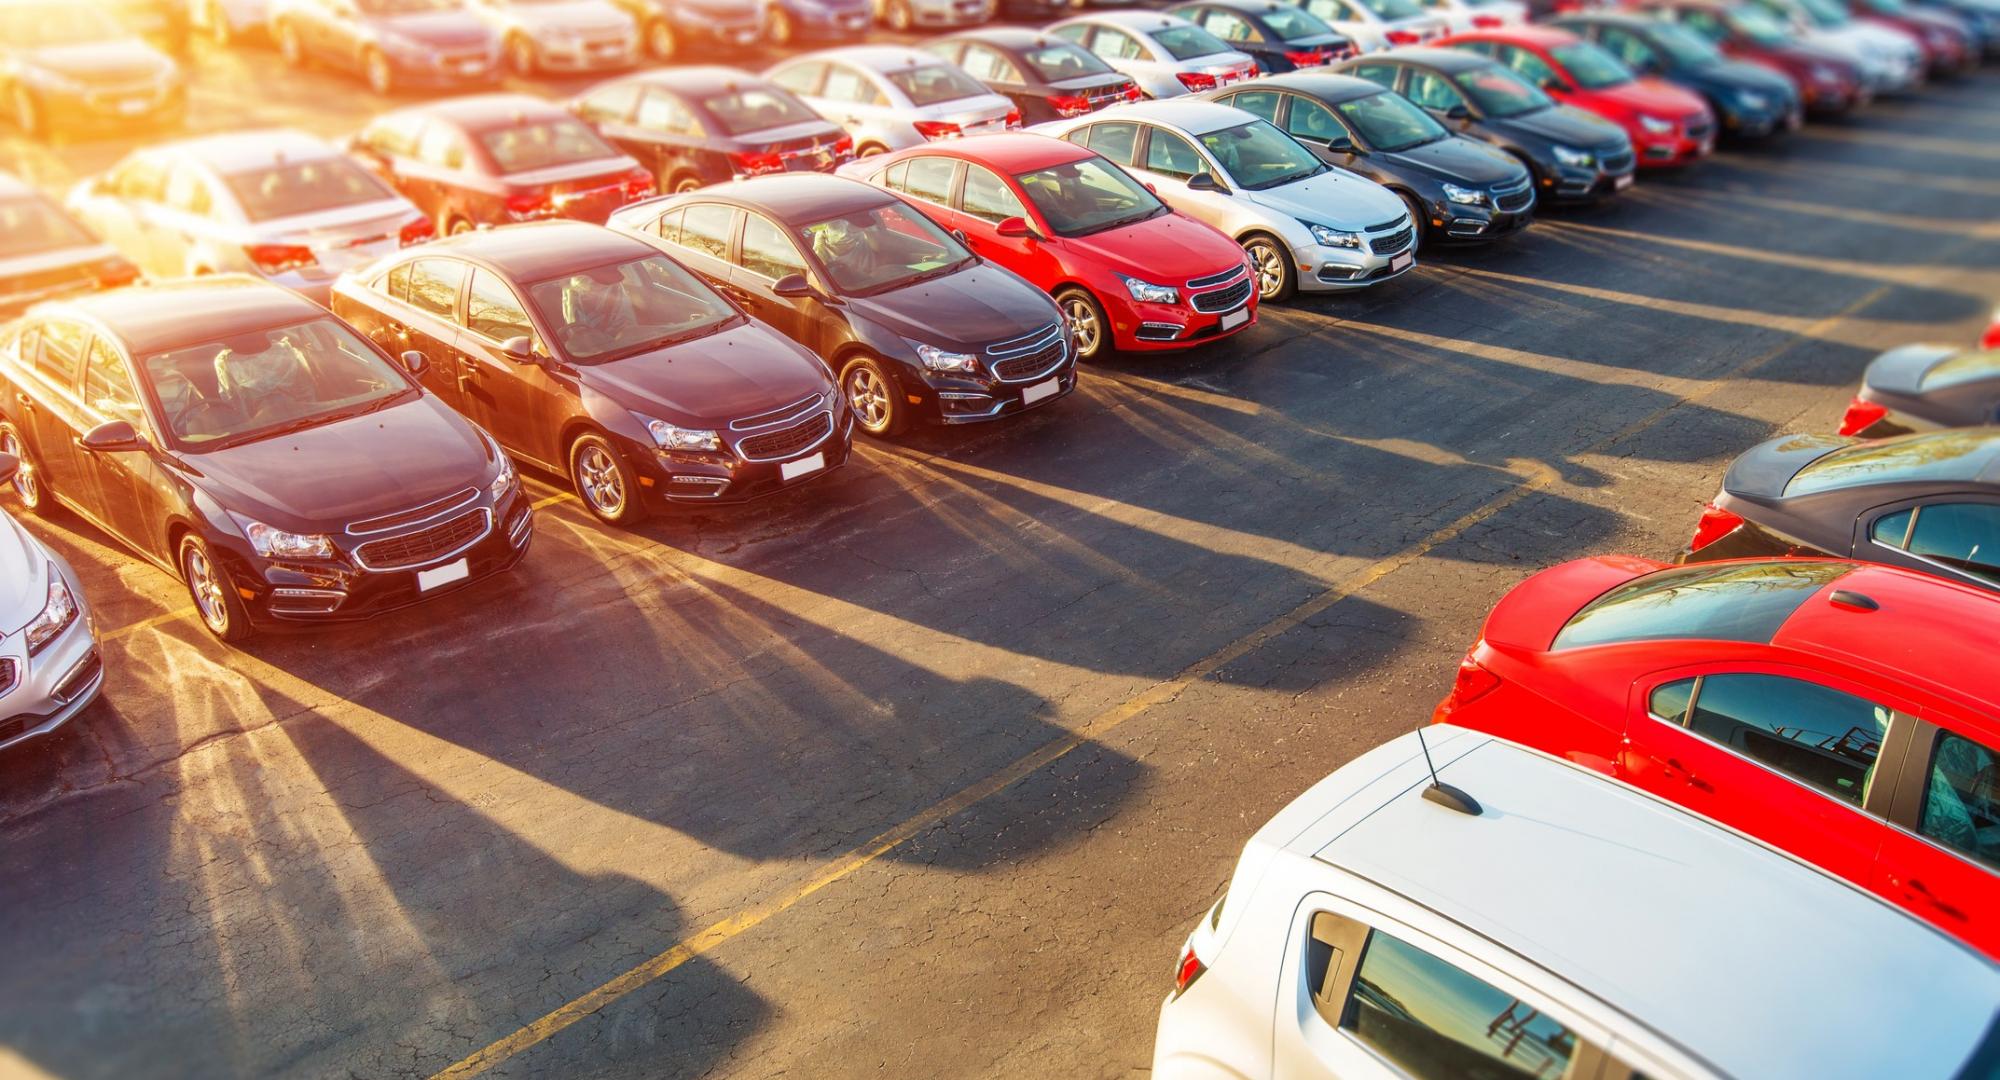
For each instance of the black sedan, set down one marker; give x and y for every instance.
(66, 67)
(1573, 155)
(694, 126)
(1750, 100)
(1047, 78)
(1928, 502)
(45, 253)
(586, 352)
(1458, 189)
(915, 323)
(1923, 387)
(1281, 37)
(232, 432)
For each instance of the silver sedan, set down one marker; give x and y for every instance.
(1168, 56)
(49, 666)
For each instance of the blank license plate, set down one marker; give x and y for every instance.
(134, 106)
(1401, 262)
(805, 466)
(442, 575)
(1040, 390)
(1620, 183)
(1235, 319)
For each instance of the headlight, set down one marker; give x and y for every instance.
(937, 359)
(1147, 292)
(1570, 155)
(56, 614)
(1656, 126)
(504, 479)
(278, 544)
(668, 437)
(1326, 237)
(1468, 196)
(1751, 99)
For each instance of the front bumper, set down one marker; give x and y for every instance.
(1459, 223)
(581, 55)
(1333, 269)
(953, 13)
(113, 108)
(697, 28)
(968, 399)
(1750, 123)
(1684, 146)
(671, 477)
(1588, 183)
(431, 72)
(54, 685)
(1139, 326)
(822, 23)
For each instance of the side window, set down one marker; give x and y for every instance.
(668, 115)
(1814, 734)
(1117, 45)
(706, 228)
(843, 83)
(768, 251)
(397, 282)
(1170, 155)
(493, 311)
(1262, 103)
(1483, 48)
(1380, 74)
(1333, 11)
(1962, 801)
(988, 198)
(434, 286)
(613, 103)
(107, 385)
(61, 356)
(1963, 536)
(669, 225)
(1229, 26)
(1076, 32)
(1531, 67)
(1437, 1022)
(802, 78)
(394, 136)
(1669, 701)
(1114, 141)
(1627, 47)
(930, 178)
(1432, 91)
(897, 177)
(141, 181)
(441, 147)
(989, 65)
(1311, 120)
(187, 192)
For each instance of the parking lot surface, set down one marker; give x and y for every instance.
(925, 769)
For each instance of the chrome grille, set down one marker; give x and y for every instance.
(1214, 279)
(1615, 161)
(1393, 243)
(789, 442)
(1225, 299)
(436, 543)
(1026, 342)
(779, 415)
(1032, 365)
(413, 516)
(1517, 199)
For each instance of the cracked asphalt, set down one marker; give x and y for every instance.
(926, 769)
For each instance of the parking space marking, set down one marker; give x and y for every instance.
(1797, 326)
(1904, 275)
(1738, 204)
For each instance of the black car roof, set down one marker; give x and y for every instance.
(1323, 85)
(1452, 60)
(536, 251)
(798, 198)
(151, 318)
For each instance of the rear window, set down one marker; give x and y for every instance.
(542, 144)
(1188, 42)
(1952, 456)
(1729, 602)
(755, 108)
(1963, 368)
(304, 187)
(938, 83)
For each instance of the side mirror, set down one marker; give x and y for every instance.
(1202, 181)
(9, 465)
(1458, 112)
(415, 362)
(1343, 144)
(520, 350)
(1016, 226)
(112, 437)
(794, 287)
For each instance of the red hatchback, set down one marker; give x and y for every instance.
(1128, 272)
(1669, 126)
(1846, 713)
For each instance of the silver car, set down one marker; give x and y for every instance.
(562, 35)
(892, 98)
(1304, 224)
(49, 666)
(901, 15)
(1890, 60)
(1165, 54)
(1380, 24)
(279, 204)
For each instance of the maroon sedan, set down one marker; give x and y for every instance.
(496, 159)
(1828, 82)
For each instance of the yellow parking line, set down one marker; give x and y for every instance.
(161, 619)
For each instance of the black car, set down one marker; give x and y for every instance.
(915, 323)
(694, 126)
(788, 22)
(673, 29)
(1573, 155)
(1047, 78)
(66, 62)
(1922, 387)
(45, 253)
(393, 44)
(232, 432)
(1459, 189)
(1281, 37)
(1750, 100)
(1926, 502)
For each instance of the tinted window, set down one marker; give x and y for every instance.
(1389, 122)
(1261, 103)
(32, 225)
(1171, 155)
(492, 309)
(1059, 60)
(239, 389)
(621, 310)
(434, 286)
(1433, 91)
(669, 225)
(987, 65)
(1669, 701)
(801, 78)
(930, 178)
(1188, 42)
(936, 83)
(768, 251)
(304, 187)
(872, 251)
(1629, 49)
(1962, 801)
(107, 386)
(61, 356)
(541, 144)
(1499, 92)
(1382, 74)
(1960, 455)
(1437, 1022)
(1811, 733)
(1086, 196)
(988, 197)
(1530, 67)
(756, 108)
(706, 229)
(1292, 23)
(1963, 368)
(1392, 9)
(1258, 156)
(666, 114)
(612, 102)
(1739, 602)
(397, 282)
(1113, 141)
(1965, 536)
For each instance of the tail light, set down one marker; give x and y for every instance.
(1472, 683)
(756, 164)
(843, 146)
(1188, 970)
(639, 184)
(1715, 524)
(1307, 57)
(938, 129)
(416, 232)
(278, 258)
(527, 206)
(1487, 22)
(1133, 93)
(1196, 81)
(1013, 118)
(111, 273)
(1861, 414)
(1069, 104)
(1403, 37)
(1345, 51)
(1992, 338)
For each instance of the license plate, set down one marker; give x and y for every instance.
(442, 575)
(1620, 183)
(134, 106)
(1040, 390)
(1235, 319)
(805, 466)
(1401, 262)
(742, 37)
(471, 67)
(1794, 120)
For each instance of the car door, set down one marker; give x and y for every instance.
(1328, 136)
(49, 411)
(675, 137)
(985, 199)
(1435, 93)
(1953, 535)
(1170, 160)
(1943, 860)
(702, 237)
(423, 317)
(767, 254)
(928, 180)
(522, 404)
(130, 489)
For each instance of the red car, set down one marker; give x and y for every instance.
(1947, 50)
(1669, 125)
(1128, 272)
(1843, 712)
(1827, 81)
(1991, 339)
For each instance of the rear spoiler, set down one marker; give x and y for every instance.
(1529, 616)
(1768, 467)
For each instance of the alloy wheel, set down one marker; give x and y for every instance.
(1270, 266)
(686, 184)
(868, 397)
(27, 486)
(599, 480)
(1083, 324)
(205, 586)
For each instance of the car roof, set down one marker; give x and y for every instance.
(879, 58)
(475, 112)
(1545, 36)
(1140, 20)
(1453, 60)
(1324, 85)
(1189, 114)
(699, 78)
(537, 250)
(240, 151)
(1011, 152)
(150, 318)
(1744, 956)
(1926, 629)
(797, 198)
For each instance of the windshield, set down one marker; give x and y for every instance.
(936, 83)
(755, 108)
(32, 225)
(1827, 13)
(1088, 196)
(305, 187)
(540, 144)
(1500, 93)
(1258, 156)
(35, 26)
(871, 251)
(1759, 26)
(256, 385)
(1392, 9)
(1685, 46)
(1591, 66)
(1188, 42)
(1390, 122)
(1059, 60)
(626, 308)
(1291, 23)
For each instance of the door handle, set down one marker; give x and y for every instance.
(26, 402)
(468, 373)
(1673, 769)
(1914, 889)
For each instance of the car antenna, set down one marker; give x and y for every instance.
(1441, 793)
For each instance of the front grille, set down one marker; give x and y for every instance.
(778, 415)
(1032, 365)
(414, 515)
(426, 545)
(1224, 299)
(1380, 225)
(1030, 342)
(1214, 279)
(10, 673)
(1616, 161)
(1510, 201)
(786, 443)
(1698, 129)
(1395, 242)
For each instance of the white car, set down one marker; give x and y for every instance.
(49, 665)
(1304, 224)
(1890, 60)
(1569, 926)
(892, 98)
(1379, 24)
(1461, 16)
(561, 35)
(1165, 54)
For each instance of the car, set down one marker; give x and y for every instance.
(494, 159)
(1843, 712)
(1748, 100)
(1303, 224)
(240, 437)
(1280, 37)
(1979, 19)
(1925, 387)
(1374, 25)
(916, 325)
(227, 22)
(903, 16)
(50, 669)
(1381, 926)
(282, 205)
(71, 63)
(588, 353)
(890, 98)
(1670, 127)
(1827, 81)
(45, 253)
(1128, 272)
(1463, 15)
(557, 36)
(1948, 46)
(1891, 61)
(1165, 54)
(394, 45)
(691, 126)
(1928, 501)
(788, 22)
(1991, 338)
(1459, 190)
(1574, 156)
(1047, 78)
(670, 28)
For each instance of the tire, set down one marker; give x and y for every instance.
(1419, 219)
(458, 227)
(380, 75)
(874, 398)
(1087, 324)
(28, 113)
(896, 16)
(28, 484)
(215, 600)
(870, 150)
(661, 40)
(1277, 278)
(682, 183)
(290, 48)
(779, 30)
(603, 481)
(521, 56)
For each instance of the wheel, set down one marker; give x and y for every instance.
(660, 40)
(215, 599)
(603, 481)
(1276, 278)
(27, 112)
(27, 484)
(521, 56)
(871, 149)
(1418, 219)
(381, 77)
(1086, 322)
(458, 227)
(683, 183)
(779, 28)
(896, 15)
(872, 394)
(290, 48)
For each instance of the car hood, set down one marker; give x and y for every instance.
(1564, 124)
(1335, 198)
(1459, 160)
(709, 381)
(1145, 248)
(589, 16)
(965, 311)
(317, 480)
(1654, 97)
(1901, 370)
(24, 575)
(1743, 75)
(441, 29)
(1763, 472)
(105, 63)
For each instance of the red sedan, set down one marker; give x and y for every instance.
(1843, 712)
(1128, 272)
(1669, 125)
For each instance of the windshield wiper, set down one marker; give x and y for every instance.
(678, 338)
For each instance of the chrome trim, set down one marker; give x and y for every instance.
(808, 448)
(90, 659)
(457, 502)
(1062, 357)
(717, 482)
(1026, 343)
(306, 601)
(1151, 331)
(795, 411)
(485, 530)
